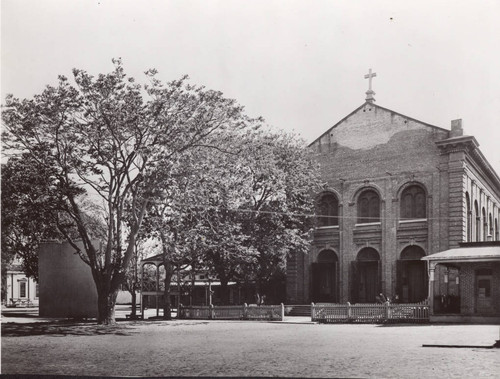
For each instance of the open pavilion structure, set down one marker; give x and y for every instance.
(475, 267)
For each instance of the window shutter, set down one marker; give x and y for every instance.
(420, 210)
(379, 277)
(374, 209)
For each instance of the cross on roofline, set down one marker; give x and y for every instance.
(370, 92)
(369, 76)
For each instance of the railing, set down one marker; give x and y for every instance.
(266, 312)
(239, 312)
(149, 286)
(370, 313)
(21, 302)
(227, 312)
(195, 312)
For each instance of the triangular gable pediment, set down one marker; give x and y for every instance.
(372, 120)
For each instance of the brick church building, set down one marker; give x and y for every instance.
(396, 190)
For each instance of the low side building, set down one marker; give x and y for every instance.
(21, 290)
(476, 277)
(67, 288)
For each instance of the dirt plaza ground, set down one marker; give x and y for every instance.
(242, 348)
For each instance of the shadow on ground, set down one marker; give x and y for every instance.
(401, 324)
(61, 329)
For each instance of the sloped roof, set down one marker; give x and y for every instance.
(466, 254)
(154, 258)
(377, 106)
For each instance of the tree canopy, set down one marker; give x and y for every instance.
(107, 161)
(107, 137)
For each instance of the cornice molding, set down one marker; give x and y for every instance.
(470, 146)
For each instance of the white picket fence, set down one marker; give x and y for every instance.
(233, 312)
(370, 313)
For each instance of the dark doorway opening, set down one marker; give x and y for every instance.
(325, 278)
(412, 283)
(365, 276)
(483, 291)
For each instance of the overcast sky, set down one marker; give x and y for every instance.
(299, 64)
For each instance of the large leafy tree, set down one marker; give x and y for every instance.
(105, 136)
(179, 218)
(283, 177)
(254, 204)
(171, 223)
(226, 248)
(30, 209)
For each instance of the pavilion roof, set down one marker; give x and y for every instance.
(466, 254)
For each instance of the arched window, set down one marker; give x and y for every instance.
(477, 228)
(468, 218)
(368, 254)
(496, 230)
(413, 203)
(485, 225)
(490, 222)
(327, 256)
(328, 210)
(368, 207)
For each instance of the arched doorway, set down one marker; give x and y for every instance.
(411, 275)
(365, 276)
(324, 278)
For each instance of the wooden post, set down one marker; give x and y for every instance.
(212, 312)
(142, 286)
(282, 312)
(432, 268)
(210, 292)
(349, 312)
(245, 311)
(157, 289)
(313, 315)
(388, 312)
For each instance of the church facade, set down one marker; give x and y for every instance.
(396, 190)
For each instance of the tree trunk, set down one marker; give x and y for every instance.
(224, 291)
(134, 303)
(258, 294)
(167, 306)
(106, 301)
(193, 284)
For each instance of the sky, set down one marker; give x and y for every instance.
(298, 64)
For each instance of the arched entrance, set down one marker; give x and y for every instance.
(365, 276)
(411, 276)
(324, 278)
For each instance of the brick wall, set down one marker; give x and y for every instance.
(382, 150)
(374, 141)
(468, 286)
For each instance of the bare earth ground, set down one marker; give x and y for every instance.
(241, 348)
